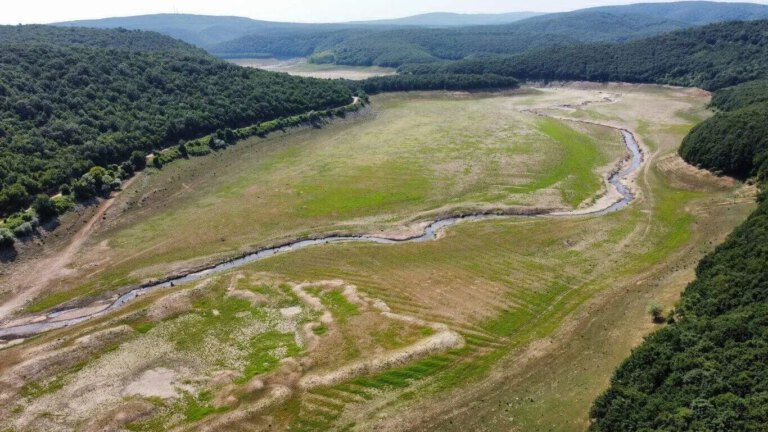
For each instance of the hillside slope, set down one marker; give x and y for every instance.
(447, 19)
(711, 57)
(67, 108)
(394, 47)
(94, 38)
(200, 30)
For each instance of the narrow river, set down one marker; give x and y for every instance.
(431, 232)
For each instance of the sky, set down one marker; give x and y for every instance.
(47, 11)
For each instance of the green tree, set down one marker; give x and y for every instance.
(44, 206)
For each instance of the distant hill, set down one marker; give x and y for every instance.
(200, 30)
(626, 22)
(208, 30)
(694, 12)
(431, 37)
(446, 19)
(394, 46)
(87, 37)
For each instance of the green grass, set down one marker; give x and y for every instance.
(320, 330)
(339, 306)
(36, 389)
(421, 152)
(262, 359)
(574, 168)
(196, 408)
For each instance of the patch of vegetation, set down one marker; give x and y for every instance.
(340, 307)
(196, 408)
(143, 327)
(266, 350)
(36, 389)
(320, 330)
(404, 376)
(574, 168)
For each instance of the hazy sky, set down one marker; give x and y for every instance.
(46, 11)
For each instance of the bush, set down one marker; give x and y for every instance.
(84, 188)
(6, 238)
(656, 311)
(63, 204)
(24, 230)
(44, 206)
(138, 160)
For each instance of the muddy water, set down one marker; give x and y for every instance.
(431, 232)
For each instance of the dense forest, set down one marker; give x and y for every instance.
(387, 47)
(65, 109)
(733, 143)
(434, 82)
(707, 370)
(710, 57)
(741, 95)
(118, 39)
(735, 140)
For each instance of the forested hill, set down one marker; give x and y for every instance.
(65, 108)
(394, 47)
(735, 140)
(78, 36)
(710, 57)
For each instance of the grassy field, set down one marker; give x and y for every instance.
(545, 307)
(301, 67)
(413, 155)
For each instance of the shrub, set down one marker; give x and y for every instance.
(138, 160)
(24, 230)
(656, 311)
(84, 188)
(6, 238)
(44, 206)
(63, 204)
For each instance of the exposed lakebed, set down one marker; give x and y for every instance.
(69, 317)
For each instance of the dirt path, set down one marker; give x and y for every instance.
(35, 276)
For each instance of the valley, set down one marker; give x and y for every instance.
(517, 314)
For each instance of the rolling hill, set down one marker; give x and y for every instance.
(447, 19)
(711, 57)
(200, 30)
(396, 46)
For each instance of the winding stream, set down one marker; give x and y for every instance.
(431, 232)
